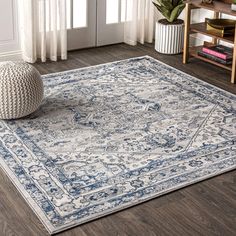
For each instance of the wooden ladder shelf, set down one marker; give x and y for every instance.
(218, 7)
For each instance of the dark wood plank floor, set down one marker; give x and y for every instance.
(207, 208)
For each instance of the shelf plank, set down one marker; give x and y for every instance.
(193, 51)
(201, 28)
(216, 6)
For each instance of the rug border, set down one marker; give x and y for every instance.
(197, 79)
(37, 210)
(28, 199)
(139, 57)
(51, 229)
(126, 206)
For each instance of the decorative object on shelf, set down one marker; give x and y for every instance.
(221, 24)
(220, 32)
(233, 5)
(222, 27)
(226, 1)
(169, 31)
(207, 1)
(21, 89)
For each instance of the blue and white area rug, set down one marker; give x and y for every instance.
(115, 135)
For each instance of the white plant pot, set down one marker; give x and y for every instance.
(169, 37)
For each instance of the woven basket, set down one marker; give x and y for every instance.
(21, 89)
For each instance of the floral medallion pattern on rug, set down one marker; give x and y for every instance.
(114, 135)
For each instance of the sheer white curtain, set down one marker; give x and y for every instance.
(139, 25)
(43, 29)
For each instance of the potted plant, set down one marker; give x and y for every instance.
(169, 31)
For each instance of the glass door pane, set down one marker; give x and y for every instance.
(79, 13)
(110, 29)
(112, 11)
(81, 17)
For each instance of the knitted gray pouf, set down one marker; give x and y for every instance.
(21, 89)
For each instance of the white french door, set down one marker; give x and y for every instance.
(93, 23)
(81, 23)
(110, 18)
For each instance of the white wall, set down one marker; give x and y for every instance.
(9, 30)
(199, 15)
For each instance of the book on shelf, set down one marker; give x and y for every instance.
(221, 51)
(214, 58)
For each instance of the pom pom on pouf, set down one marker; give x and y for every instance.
(21, 89)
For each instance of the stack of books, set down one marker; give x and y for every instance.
(218, 53)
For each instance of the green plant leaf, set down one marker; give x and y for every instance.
(170, 9)
(167, 4)
(176, 12)
(164, 11)
(164, 3)
(176, 3)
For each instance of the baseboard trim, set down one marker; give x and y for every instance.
(13, 55)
